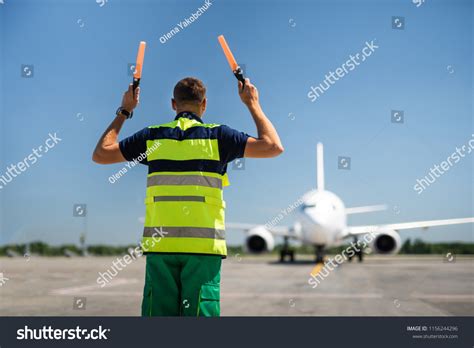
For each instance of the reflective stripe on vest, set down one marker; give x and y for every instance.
(184, 232)
(185, 212)
(196, 180)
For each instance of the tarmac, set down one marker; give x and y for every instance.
(251, 286)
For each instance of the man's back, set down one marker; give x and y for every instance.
(187, 161)
(184, 232)
(185, 144)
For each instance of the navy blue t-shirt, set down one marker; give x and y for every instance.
(231, 143)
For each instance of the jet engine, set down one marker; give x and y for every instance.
(259, 240)
(386, 242)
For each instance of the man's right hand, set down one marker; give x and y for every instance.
(249, 95)
(268, 143)
(130, 98)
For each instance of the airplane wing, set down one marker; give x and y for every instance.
(281, 231)
(355, 230)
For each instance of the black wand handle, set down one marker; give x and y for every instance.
(239, 74)
(136, 83)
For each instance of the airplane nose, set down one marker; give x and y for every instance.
(318, 233)
(319, 221)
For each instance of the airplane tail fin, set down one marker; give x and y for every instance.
(320, 167)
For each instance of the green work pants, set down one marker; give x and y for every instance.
(182, 285)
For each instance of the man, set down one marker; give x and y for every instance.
(187, 159)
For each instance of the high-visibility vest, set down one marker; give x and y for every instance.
(185, 210)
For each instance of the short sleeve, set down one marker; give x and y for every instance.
(231, 144)
(134, 147)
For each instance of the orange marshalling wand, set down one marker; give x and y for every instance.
(137, 75)
(228, 53)
(232, 62)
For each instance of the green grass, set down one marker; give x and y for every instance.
(417, 247)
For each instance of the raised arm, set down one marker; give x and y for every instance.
(107, 150)
(268, 143)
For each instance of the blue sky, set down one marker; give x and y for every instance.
(80, 52)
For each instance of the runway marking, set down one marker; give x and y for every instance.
(317, 269)
(95, 286)
(422, 263)
(94, 290)
(308, 295)
(444, 297)
(99, 292)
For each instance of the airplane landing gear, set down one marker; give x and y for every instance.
(319, 250)
(359, 252)
(286, 251)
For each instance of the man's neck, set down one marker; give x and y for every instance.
(190, 110)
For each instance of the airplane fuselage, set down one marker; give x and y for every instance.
(321, 221)
(322, 218)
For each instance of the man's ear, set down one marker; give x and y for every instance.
(203, 105)
(173, 104)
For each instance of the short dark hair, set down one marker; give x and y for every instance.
(189, 90)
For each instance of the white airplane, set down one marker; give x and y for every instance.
(322, 223)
